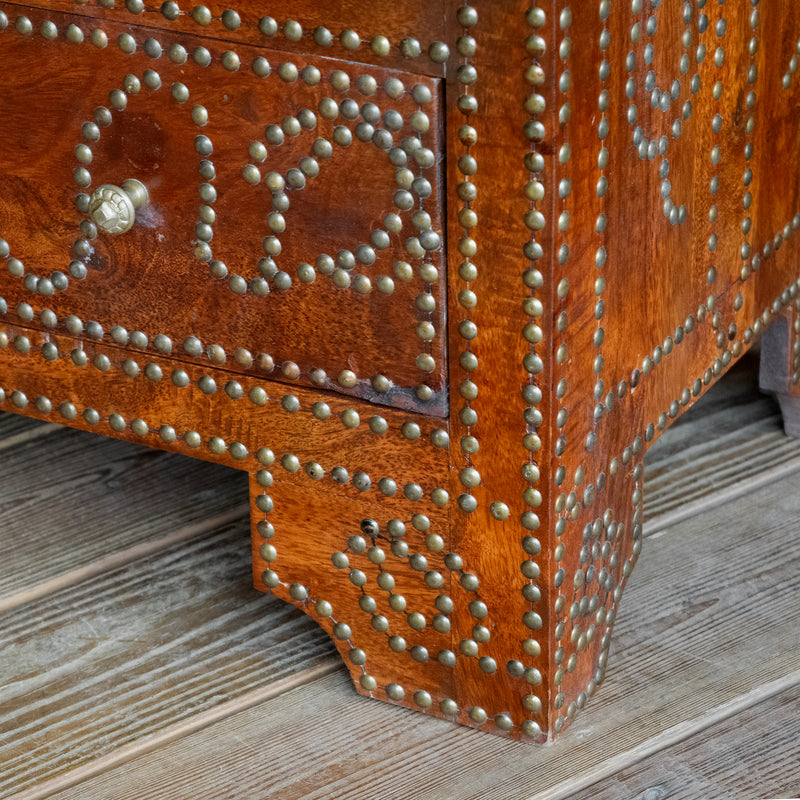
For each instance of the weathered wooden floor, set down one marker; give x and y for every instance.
(136, 660)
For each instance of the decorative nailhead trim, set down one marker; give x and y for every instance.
(299, 593)
(662, 100)
(747, 178)
(408, 48)
(367, 543)
(290, 404)
(602, 405)
(533, 362)
(572, 502)
(630, 457)
(467, 247)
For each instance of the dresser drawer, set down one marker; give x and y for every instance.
(292, 225)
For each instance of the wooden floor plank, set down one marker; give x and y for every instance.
(254, 755)
(733, 437)
(755, 754)
(89, 669)
(711, 616)
(16, 430)
(734, 398)
(77, 497)
(742, 463)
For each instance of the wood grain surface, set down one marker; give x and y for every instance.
(17, 430)
(172, 400)
(165, 638)
(707, 671)
(739, 756)
(731, 443)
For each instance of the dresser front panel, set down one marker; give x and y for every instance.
(293, 201)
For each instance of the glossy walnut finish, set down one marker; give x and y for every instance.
(588, 218)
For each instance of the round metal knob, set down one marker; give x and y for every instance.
(113, 208)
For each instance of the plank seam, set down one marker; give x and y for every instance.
(146, 745)
(18, 439)
(671, 736)
(659, 524)
(122, 558)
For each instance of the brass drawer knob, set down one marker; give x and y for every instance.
(113, 208)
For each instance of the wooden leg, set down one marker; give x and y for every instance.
(357, 570)
(603, 543)
(780, 367)
(398, 617)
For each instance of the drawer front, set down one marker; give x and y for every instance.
(406, 34)
(293, 222)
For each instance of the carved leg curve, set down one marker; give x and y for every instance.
(376, 582)
(396, 602)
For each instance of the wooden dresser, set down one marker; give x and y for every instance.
(434, 274)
